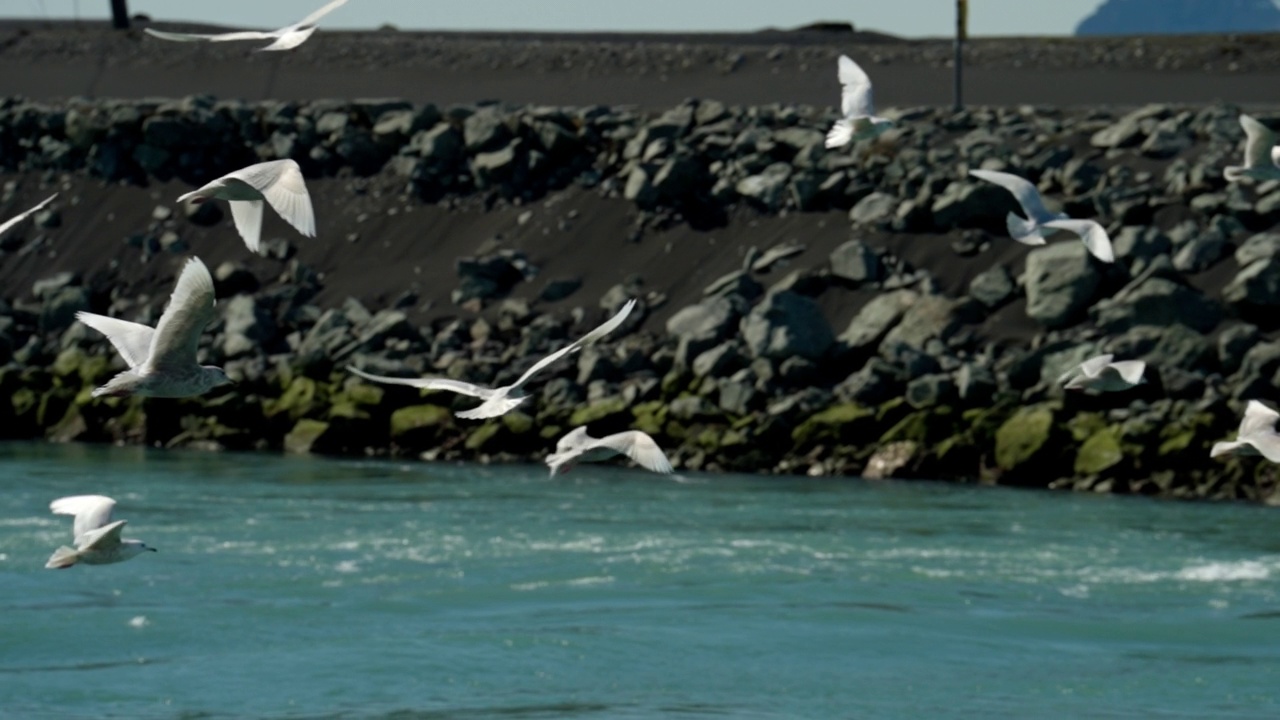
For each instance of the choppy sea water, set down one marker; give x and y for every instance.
(298, 587)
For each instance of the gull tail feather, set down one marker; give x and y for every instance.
(62, 558)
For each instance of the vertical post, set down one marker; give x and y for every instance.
(120, 14)
(962, 22)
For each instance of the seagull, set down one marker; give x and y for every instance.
(162, 362)
(13, 221)
(499, 401)
(97, 537)
(578, 446)
(1261, 156)
(286, 38)
(1040, 221)
(1101, 375)
(1257, 434)
(859, 121)
(279, 182)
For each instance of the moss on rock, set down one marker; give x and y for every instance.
(305, 436)
(299, 399)
(846, 421)
(1099, 453)
(419, 424)
(1024, 437)
(601, 409)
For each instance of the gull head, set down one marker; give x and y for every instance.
(212, 377)
(130, 548)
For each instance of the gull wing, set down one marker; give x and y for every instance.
(190, 309)
(1095, 237)
(640, 447)
(210, 37)
(429, 383)
(132, 340)
(283, 187)
(104, 538)
(590, 338)
(1258, 419)
(289, 40)
(573, 440)
(1259, 141)
(314, 17)
(4, 227)
(1089, 368)
(1130, 370)
(1027, 194)
(247, 215)
(855, 95)
(91, 511)
(1225, 448)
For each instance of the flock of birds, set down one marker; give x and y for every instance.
(162, 361)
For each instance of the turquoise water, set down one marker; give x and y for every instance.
(296, 587)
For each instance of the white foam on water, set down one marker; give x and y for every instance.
(1226, 571)
(140, 621)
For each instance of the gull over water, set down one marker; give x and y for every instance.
(97, 536)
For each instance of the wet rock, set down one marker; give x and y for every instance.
(768, 188)
(785, 325)
(876, 382)
(248, 327)
(701, 326)
(993, 287)
(931, 317)
(855, 262)
(1061, 283)
(869, 327)
(1256, 286)
(874, 209)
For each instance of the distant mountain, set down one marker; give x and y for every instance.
(1152, 17)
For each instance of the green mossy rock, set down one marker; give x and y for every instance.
(846, 422)
(305, 436)
(364, 393)
(483, 435)
(346, 410)
(419, 420)
(920, 426)
(299, 399)
(1099, 453)
(601, 409)
(517, 422)
(1084, 425)
(1024, 437)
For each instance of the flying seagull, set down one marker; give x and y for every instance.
(858, 112)
(162, 362)
(1100, 374)
(1256, 436)
(278, 182)
(1261, 156)
(579, 447)
(97, 537)
(286, 38)
(499, 401)
(1040, 222)
(13, 221)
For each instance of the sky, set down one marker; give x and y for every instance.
(910, 18)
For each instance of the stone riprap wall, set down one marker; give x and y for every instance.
(922, 383)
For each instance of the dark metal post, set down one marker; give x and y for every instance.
(962, 21)
(120, 14)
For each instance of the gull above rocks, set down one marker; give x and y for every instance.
(1256, 436)
(579, 447)
(97, 537)
(1261, 156)
(499, 401)
(13, 221)
(277, 182)
(1040, 222)
(162, 361)
(1100, 374)
(286, 38)
(857, 108)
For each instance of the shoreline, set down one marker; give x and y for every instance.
(858, 312)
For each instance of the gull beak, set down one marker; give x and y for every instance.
(153, 550)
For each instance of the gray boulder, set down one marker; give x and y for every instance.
(1257, 285)
(701, 326)
(877, 318)
(931, 317)
(785, 325)
(248, 327)
(876, 208)
(1156, 301)
(993, 287)
(768, 188)
(1061, 282)
(856, 262)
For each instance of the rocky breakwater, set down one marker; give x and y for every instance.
(944, 364)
